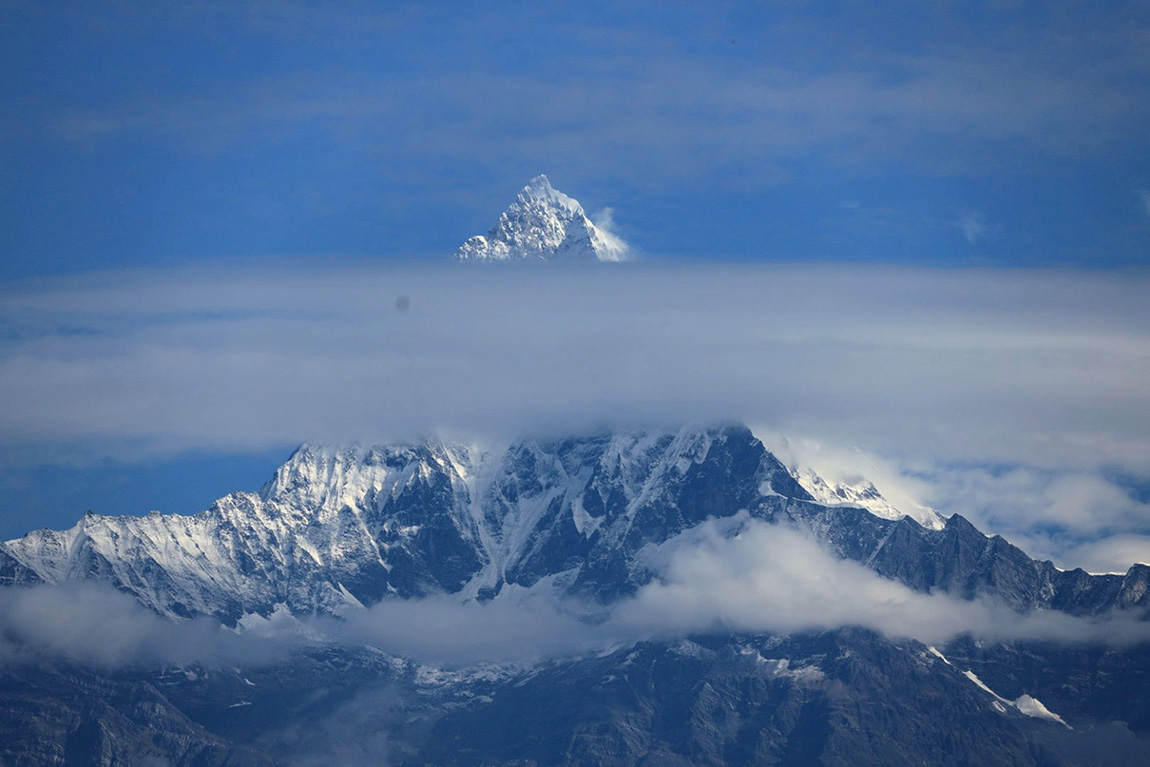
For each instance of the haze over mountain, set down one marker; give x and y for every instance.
(340, 528)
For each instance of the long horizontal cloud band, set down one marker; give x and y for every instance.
(971, 364)
(1040, 369)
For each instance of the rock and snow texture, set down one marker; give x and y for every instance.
(865, 495)
(1024, 704)
(337, 528)
(543, 224)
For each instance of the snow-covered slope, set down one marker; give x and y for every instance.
(344, 526)
(340, 527)
(865, 495)
(333, 527)
(544, 224)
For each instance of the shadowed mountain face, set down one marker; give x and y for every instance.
(337, 528)
(53, 715)
(340, 528)
(842, 697)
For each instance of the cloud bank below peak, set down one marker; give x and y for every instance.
(956, 377)
(989, 366)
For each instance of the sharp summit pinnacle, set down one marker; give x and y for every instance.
(543, 224)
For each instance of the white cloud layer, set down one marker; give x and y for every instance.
(771, 578)
(733, 575)
(93, 624)
(1008, 395)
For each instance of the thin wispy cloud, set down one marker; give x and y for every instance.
(711, 113)
(1053, 358)
(859, 118)
(718, 148)
(604, 221)
(95, 625)
(973, 227)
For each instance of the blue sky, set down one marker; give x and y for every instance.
(988, 133)
(248, 149)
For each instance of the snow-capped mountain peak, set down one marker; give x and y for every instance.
(865, 495)
(539, 189)
(544, 224)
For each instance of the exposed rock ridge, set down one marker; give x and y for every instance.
(543, 224)
(341, 527)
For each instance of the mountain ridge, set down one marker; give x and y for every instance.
(340, 527)
(544, 224)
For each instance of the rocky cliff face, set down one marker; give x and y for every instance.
(838, 698)
(543, 224)
(842, 697)
(342, 527)
(339, 527)
(60, 715)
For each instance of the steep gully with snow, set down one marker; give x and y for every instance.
(340, 529)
